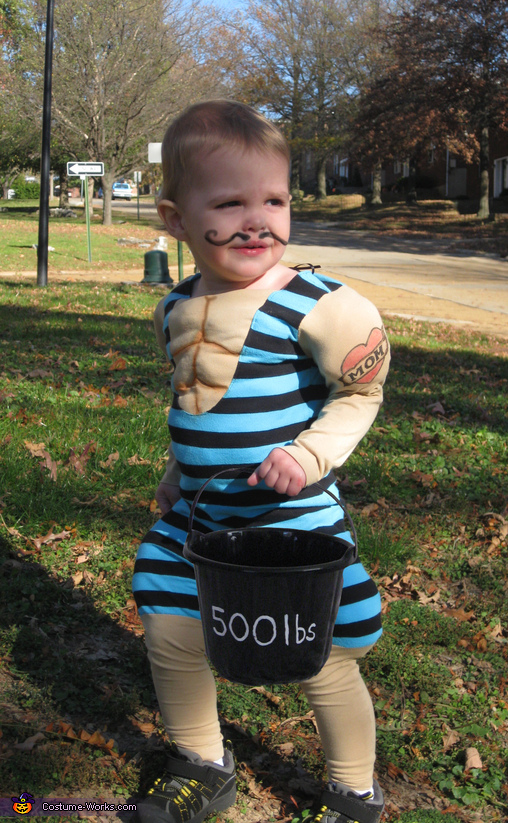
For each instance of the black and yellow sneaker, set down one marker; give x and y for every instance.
(339, 804)
(190, 789)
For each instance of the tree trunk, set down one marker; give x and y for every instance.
(376, 186)
(295, 175)
(484, 207)
(321, 179)
(412, 197)
(107, 183)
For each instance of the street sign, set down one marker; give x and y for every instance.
(155, 152)
(95, 169)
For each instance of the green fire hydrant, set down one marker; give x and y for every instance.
(156, 267)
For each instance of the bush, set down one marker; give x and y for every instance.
(25, 190)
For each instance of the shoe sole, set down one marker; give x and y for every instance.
(220, 804)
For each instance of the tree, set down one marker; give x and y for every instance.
(302, 62)
(18, 149)
(445, 82)
(121, 70)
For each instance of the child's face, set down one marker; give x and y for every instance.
(234, 216)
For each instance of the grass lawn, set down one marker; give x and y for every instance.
(83, 401)
(19, 228)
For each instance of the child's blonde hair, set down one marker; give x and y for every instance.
(205, 127)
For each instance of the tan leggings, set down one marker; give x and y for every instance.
(186, 692)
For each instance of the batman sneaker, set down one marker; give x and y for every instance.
(189, 790)
(339, 804)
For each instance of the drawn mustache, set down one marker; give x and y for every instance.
(209, 235)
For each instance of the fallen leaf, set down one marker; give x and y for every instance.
(120, 402)
(450, 740)
(369, 509)
(459, 614)
(117, 364)
(35, 449)
(82, 558)
(51, 537)
(135, 460)
(29, 743)
(273, 698)
(78, 461)
(436, 408)
(473, 760)
(286, 748)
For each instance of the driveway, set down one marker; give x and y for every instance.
(425, 279)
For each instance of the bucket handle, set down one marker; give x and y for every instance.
(249, 470)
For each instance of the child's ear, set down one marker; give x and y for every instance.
(170, 215)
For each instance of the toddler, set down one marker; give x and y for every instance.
(277, 368)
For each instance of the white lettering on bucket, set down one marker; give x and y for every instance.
(300, 632)
(219, 620)
(221, 628)
(255, 627)
(245, 636)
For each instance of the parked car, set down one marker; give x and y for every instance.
(121, 190)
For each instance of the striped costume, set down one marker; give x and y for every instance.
(288, 383)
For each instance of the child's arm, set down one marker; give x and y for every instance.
(168, 490)
(344, 335)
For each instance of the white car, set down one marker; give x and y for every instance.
(121, 190)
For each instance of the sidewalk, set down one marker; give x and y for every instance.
(426, 279)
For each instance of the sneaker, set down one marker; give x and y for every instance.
(190, 789)
(340, 804)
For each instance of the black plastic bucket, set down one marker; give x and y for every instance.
(268, 597)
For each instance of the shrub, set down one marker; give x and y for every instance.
(25, 190)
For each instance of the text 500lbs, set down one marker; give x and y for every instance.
(264, 628)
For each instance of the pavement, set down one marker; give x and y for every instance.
(426, 279)
(434, 280)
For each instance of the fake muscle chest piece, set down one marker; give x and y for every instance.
(207, 336)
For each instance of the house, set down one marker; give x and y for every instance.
(439, 174)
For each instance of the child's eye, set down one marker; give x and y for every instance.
(275, 201)
(230, 204)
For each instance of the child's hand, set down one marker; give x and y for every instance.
(166, 496)
(281, 472)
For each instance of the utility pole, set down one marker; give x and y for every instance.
(42, 246)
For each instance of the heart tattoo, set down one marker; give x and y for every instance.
(364, 361)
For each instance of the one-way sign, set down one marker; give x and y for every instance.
(95, 169)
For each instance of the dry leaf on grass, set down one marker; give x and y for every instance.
(135, 460)
(473, 760)
(29, 743)
(450, 739)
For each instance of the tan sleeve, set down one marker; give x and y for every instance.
(345, 337)
(172, 474)
(158, 319)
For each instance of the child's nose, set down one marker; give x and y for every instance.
(254, 221)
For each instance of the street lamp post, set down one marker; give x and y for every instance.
(42, 246)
